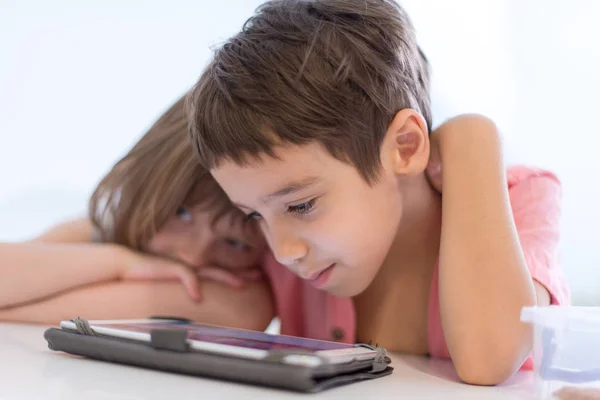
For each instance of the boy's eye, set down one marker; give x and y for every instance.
(184, 214)
(302, 208)
(252, 215)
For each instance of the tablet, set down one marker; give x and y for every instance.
(234, 342)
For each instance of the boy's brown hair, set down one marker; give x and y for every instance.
(158, 175)
(331, 71)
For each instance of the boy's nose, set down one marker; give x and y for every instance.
(287, 247)
(290, 252)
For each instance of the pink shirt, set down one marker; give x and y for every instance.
(535, 197)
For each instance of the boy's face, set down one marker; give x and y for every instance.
(320, 217)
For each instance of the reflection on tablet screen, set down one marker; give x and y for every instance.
(233, 337)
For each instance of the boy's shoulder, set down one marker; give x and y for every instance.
(517, 174)
(534, 193)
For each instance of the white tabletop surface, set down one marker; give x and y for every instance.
(28, 371)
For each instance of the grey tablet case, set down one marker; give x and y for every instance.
(168, 350)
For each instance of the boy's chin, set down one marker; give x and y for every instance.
(348, 289)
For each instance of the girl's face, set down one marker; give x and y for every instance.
(191, 236)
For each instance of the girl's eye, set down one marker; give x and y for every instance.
(252, 215)
(184, 214)
(302, 208)
(237, 244)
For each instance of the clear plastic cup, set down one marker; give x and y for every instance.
(566, 348)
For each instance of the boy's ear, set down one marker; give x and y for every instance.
(405, 148)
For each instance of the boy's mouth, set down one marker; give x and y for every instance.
(320, 279)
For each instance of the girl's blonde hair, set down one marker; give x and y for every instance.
(158, 175)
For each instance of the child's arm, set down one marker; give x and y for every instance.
(133, 300)
(483, 276)
(32, 271)
(65, 258)
(61, 274)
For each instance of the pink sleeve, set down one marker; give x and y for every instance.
(535, 197)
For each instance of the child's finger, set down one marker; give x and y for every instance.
(220, 275)
(190, 282)
(251, 275)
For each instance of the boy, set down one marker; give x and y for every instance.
(315, 120)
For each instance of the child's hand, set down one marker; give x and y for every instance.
(139, 266)
(451, 134)
(235, 279)
(568, 393)
(434, 167)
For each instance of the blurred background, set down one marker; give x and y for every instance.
(81, 81)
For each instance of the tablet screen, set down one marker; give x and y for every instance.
(231, 337)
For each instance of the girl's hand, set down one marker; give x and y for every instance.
(140, 266)
(235, 279)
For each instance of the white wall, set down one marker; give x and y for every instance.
(79, 83)
(557, 64)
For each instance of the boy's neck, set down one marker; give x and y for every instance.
(400, 292)
(417, 240)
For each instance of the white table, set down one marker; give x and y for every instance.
(29, 371)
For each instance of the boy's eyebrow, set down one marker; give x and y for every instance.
(291, 187)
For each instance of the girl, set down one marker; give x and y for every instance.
(156, 217)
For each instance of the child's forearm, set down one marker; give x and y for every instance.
(133, 300)
(32, 271)
(483, 277)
